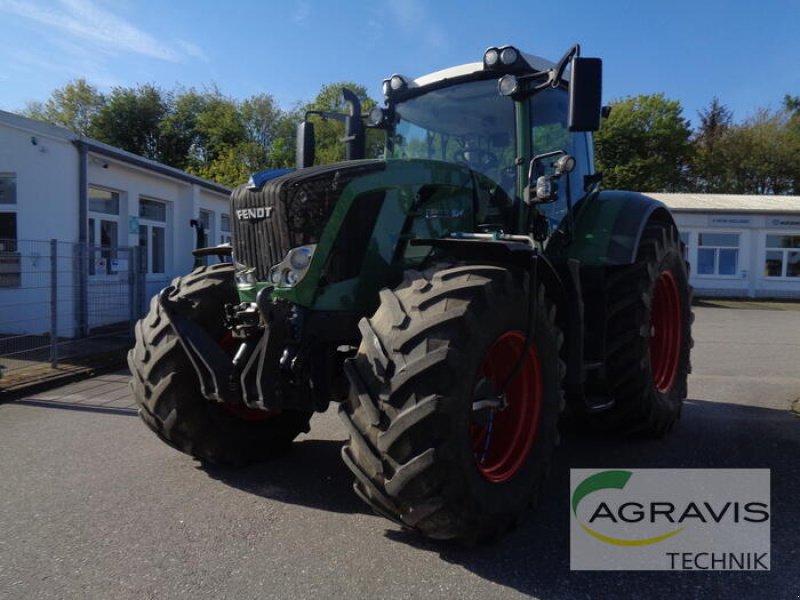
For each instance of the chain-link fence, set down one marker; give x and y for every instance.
(67, 305)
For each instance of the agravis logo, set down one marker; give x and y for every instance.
(670, 519)
(612, 480)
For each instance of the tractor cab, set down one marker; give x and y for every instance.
(509, 118)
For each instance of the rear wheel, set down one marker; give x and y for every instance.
(167, 389)
(433, 444)
(649, 336)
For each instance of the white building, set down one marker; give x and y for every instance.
(55, 184)
(740, 246)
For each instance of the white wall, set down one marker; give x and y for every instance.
(183, 201)
(46, 169)
(46, 165)
(750, 279)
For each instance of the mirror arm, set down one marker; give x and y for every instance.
(558, 72)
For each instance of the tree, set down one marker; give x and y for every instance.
(708, 165)
(131, 118)
(760, 155)
(282, 148)
(203, 132)
(329, 147)
(792, 105)
(73, 106)
(644, 145)
(178, 129)
(261, 117)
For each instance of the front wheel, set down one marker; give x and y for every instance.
(452, 413)
(167, 389)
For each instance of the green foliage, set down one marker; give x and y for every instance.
(73, 106)
(709, 166)
(131, 118)
(329, 133)
(644, 145)
(760, 155)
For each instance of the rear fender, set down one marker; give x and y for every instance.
(609, 225)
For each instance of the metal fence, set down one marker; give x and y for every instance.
(63, 303)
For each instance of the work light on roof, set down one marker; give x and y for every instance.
(397, 83)
(507, 85)
(376, 116)
(394, 84)
(508, 55)
(490, 57)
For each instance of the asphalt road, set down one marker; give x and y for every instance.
(94, 506)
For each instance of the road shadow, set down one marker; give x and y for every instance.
(311, 474)
(535, 559)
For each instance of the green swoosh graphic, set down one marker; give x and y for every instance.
(611, 480)
(599, 481)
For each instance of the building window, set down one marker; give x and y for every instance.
(9, 257)
(152, 210)
(685, 244)
(153, 234)
(206, 227)
(8, 188)
(103, 235)
(718, 254)
(783, 256)
(103, 230)
(103, 201)
(225, 229)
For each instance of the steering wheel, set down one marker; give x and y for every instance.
(476, 158)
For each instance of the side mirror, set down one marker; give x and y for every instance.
(585, 89)
(545, 189)
(305, 144)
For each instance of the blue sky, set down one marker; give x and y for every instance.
(745, 52)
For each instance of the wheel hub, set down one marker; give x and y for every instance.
(504, 423)
(666, 331)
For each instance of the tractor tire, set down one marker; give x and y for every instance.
(649, 336)
(422, 451)
(167, 389)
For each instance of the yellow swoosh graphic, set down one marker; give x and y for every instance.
(618, 542)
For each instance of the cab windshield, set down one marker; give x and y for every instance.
(469, 123)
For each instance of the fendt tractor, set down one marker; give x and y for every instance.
(454, 298)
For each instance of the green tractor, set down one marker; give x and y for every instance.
(454, 298)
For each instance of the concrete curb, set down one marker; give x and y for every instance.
(86, 367)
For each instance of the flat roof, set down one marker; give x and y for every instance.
(729, 203)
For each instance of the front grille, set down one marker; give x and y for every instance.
(299, 206)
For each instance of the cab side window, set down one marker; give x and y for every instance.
(549, 132)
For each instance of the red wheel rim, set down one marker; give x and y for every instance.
(230, 345)
(665, 332)
(501, 446)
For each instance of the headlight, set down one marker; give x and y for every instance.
(245, 276)
(291, 270)
(275, 275)
(299, 258)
